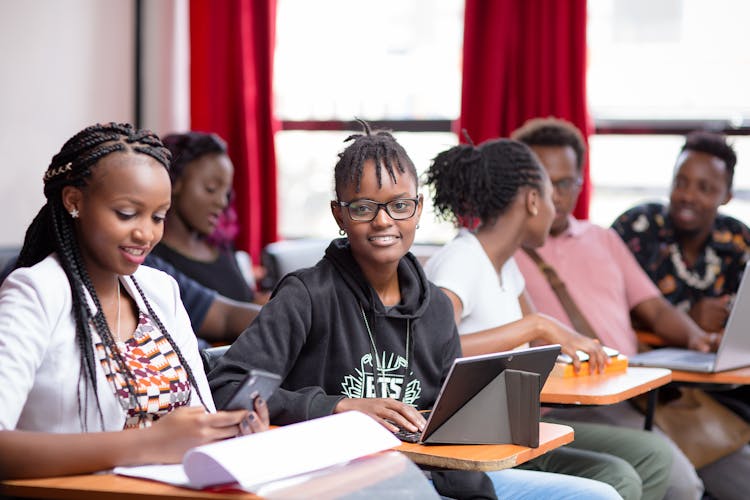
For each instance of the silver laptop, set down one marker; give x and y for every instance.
(733, 352)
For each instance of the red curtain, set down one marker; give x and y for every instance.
(524, 59)
(231, 68)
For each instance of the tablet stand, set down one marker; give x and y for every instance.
(506, 410)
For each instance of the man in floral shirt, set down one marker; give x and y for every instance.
(695, 255)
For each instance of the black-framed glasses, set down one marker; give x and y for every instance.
(367, 210)
(566, 185)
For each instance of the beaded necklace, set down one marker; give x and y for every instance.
(713, 266)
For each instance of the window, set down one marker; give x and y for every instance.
(393, 62)
(656, 71)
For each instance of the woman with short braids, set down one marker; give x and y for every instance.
(364, 330)
(98, 363)
(502, 196)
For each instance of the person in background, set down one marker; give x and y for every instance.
(696, 257)
(600, 274)
(363, 329)
(693, 254)
(199, 228)
(79, 312)
(500, 191)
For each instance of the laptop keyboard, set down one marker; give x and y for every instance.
(409, 436)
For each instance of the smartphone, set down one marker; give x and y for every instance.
(256, 383)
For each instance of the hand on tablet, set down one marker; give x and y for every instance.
(386, 411)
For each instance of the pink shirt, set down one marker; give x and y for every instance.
(601, 275)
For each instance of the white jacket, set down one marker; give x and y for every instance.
(39, 356)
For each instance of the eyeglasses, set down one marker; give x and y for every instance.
(566, 185)
(367, 210)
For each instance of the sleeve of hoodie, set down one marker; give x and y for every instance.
(273, 342)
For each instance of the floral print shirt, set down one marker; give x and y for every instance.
(648, 233)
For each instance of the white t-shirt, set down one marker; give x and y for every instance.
(489, 299)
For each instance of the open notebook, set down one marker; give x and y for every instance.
(253, 462)
(733, 352)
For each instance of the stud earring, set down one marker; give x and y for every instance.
(74, 213)
(417, 227)
(342, 232)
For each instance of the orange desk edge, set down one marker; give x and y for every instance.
(109, 486)
(604, 389)
(736, 376)
(487, 457)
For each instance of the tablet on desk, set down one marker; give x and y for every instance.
(477, 406)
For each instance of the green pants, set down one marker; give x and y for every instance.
(636, 463)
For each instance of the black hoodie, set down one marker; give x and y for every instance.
(312, 332)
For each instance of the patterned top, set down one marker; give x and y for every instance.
(648, 232)
(160, 381)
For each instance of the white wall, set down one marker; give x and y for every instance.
(64, 65)
(166, 66)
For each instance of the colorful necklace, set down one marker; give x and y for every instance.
(713, 266)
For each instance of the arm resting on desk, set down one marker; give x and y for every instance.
(38, 454)
(673, 326)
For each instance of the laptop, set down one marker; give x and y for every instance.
(733, 352)
(489, 399)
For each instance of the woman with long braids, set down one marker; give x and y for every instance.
(502, 196)
(98, 363)
(364, 329)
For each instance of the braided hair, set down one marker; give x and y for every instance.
(552, 132)
(377, 145)
(476, 184)
(52, 230)
(715, 145)
(191, 146)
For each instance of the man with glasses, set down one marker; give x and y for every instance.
(601, 275)
(602, 278)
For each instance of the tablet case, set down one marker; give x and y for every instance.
(506, 410)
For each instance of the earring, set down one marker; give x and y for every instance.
(74, 213)
(342, 232)
(417, 227)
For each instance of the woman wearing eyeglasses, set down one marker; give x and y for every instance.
(364, 329)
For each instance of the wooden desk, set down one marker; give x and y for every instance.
(739, 376)
(106, 487)
(384, 475)
(604, 389)
(487, 457)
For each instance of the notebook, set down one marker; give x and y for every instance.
(733, 352)
(490, 399)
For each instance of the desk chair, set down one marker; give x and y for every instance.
(211, 355)
(283, 257)
(648, 339)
